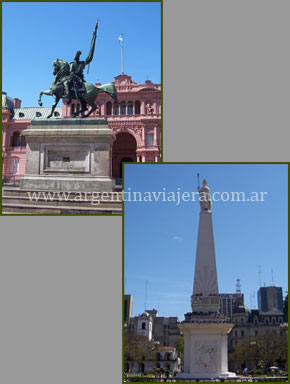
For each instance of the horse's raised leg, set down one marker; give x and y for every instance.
(48, 93)
(57, 98)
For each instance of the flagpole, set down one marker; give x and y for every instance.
(120, 38)
(122, 58)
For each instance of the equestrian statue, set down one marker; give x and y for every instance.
(69, 83)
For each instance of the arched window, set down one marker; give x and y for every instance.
(108, 108)
(15, 140)
(22, 141)
(130, 107)
(143, 325)
(72, 109)
(116, 109)
(123, 108)
(137, 107)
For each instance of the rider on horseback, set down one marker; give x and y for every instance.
(69, 81)
(76, 78)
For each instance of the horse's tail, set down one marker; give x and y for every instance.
(110, 89)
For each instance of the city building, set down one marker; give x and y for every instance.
(128, 304)
(162, 358)
(165, 330)
(136, 122)
(270, 299)
(229, 301)
(162, 332)
(144, 326)
(254, 323)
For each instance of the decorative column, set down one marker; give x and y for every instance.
(4, 138)
(143, 137)
(155, 137)
(103, 109)
(142, 111)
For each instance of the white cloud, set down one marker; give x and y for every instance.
(177, 238)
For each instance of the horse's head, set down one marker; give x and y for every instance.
(56, 66)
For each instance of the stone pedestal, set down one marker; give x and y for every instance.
(68, 155)
(205, 349)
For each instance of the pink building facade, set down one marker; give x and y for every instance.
(136, 122)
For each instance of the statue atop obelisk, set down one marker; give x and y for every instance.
(205, 288)
(205, 329)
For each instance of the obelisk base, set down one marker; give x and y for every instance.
(205, 349)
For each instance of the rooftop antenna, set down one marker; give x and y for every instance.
(251, 301)
(272, 278)
(146, 294)
(238, 286)
(198, 180)
(254, 299)
(259, 269)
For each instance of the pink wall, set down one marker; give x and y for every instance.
(144, 127)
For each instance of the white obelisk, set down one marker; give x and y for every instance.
(205, 330)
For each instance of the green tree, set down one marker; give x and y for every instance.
(263, 351)
(180, 348)
(136, 349)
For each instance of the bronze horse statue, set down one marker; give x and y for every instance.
(87, 97)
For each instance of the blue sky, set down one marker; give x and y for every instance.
(160, 238)
(35, 34)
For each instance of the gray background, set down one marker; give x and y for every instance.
(226, 80)
(226, 93)
(61, 289)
